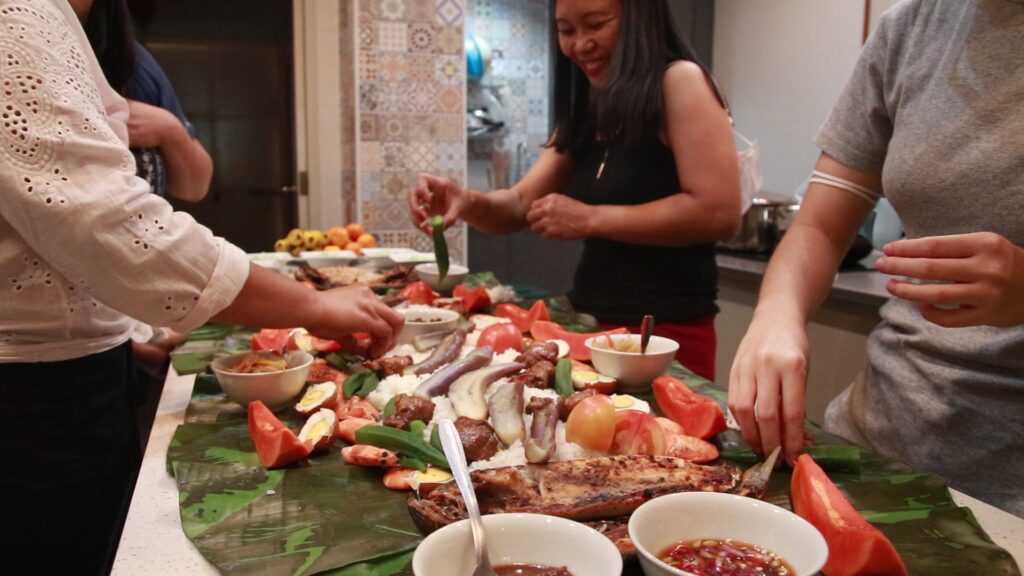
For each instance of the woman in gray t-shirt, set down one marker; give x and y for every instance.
(933, 117)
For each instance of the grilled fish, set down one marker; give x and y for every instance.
(602, 492)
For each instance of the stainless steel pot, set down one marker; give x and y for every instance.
(763, 224)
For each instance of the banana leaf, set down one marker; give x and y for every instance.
(327, 517)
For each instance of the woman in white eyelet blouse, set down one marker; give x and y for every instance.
(84, 248)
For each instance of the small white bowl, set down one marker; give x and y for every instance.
(667, 520)
(421, 319)
(519, 538)
(428, 272)
(633, 370)
(324, 258)
(275, 389)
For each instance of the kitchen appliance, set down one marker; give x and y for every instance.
(763, 224)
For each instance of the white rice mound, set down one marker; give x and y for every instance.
(391, 386)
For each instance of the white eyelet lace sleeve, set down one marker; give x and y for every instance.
(79, 233)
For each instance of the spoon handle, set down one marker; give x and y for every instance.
(646, 327)
(453, 450)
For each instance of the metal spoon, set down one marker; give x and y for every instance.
(646, 327)
(456, 456)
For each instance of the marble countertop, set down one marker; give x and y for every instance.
(861, 284)
(153, 542)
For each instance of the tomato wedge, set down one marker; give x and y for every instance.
(501, 337)
(544, 330)
(855, 547)
(472, 298)
(276, 445)
(271, 339)
(637, 434)
(418, 293)
(522, 317)
(591, 423)
(699, 416)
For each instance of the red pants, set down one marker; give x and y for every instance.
(697, 342)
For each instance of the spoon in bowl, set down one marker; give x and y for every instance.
(646, 327)
(456, 456)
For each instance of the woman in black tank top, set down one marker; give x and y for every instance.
(641, 165)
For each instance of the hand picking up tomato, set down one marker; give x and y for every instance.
(543, 330)
(699, 416)
(419, 293)
(472, 298)
(855, 547)
(276, 445)
(501, 337)
(522, 317)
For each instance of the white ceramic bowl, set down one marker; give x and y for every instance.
(667, 520)
(275, 389)
(519, 538)
(325, 258)
(428, 273)
(633, 370)
(421, 319)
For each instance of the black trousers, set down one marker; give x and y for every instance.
(69, 456)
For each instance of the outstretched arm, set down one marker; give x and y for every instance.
(769, 373)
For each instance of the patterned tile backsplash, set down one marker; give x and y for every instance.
(404, 101)
(408, 110)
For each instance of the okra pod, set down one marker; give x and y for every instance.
(402, 441)
(563, 377)
(440, 246)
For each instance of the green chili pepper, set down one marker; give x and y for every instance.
(369, 384)
(389, 408)
(440, 246)
(402, 441)
(435, 438)
(409, 462)
(353, 383)
(417, 427)
(563, 377)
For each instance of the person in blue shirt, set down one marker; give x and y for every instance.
(167, 153)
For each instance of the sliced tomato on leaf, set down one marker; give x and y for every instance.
(276, 445)
(637, 434)
(591, 423)
(501, 337)
(418, 293)
(854, 545)
(271, 339)
(324, 345)
(472, 298)
(543, 330)
(522, 317)
(690, 448)
(698, 415)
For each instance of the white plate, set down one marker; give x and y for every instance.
(319, 258)
(270, 259)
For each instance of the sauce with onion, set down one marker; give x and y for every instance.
(529, 570)
(725, 557)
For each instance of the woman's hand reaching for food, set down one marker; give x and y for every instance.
(558, 217)
(970, 279)
(766, 384)
(433, 195)
(345, 311)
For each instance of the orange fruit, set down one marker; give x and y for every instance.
(355, 230)
(354, 247)
(366, 240)
(338, 236)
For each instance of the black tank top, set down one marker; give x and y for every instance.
(619, 282)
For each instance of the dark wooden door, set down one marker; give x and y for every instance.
(231, 64)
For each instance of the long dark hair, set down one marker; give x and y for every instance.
(630, 108)
(111, 34)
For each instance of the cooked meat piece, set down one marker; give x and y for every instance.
(478, 439)
(307, 273)
(547, 351)
(409, 408)
(566, 405)
(540, 375)
(537, 403)
(453, 304)
(389, 365)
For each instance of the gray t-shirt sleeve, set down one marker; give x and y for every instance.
(858, 130)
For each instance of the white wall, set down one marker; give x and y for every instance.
(782, 64)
